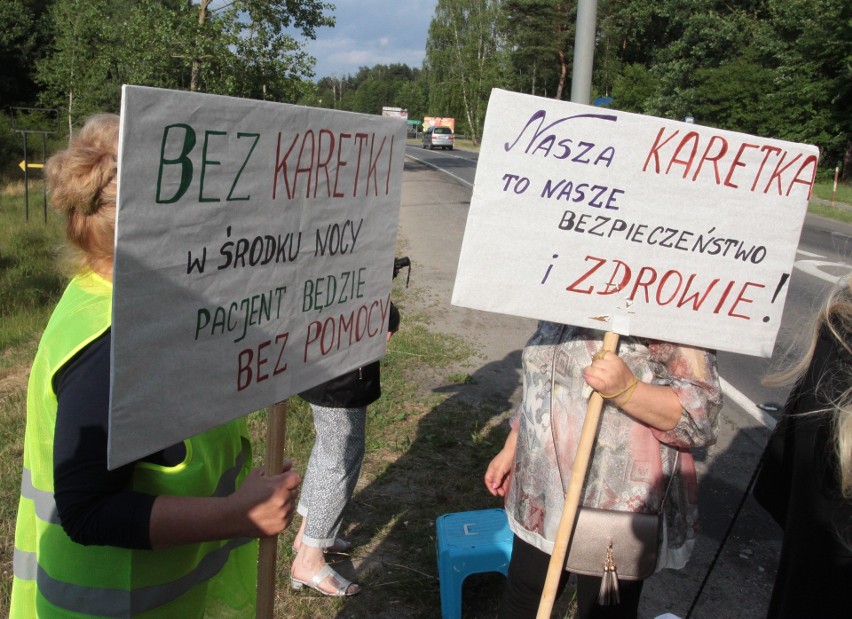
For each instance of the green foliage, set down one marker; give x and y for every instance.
(371, 89)
(539, 35)
(463, 61)
(21, 38)
(634, 88)
(776, 68)
(245, 48)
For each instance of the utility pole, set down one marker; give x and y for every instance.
(584, 51)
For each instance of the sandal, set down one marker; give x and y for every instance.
(324, 572)
(339, 546)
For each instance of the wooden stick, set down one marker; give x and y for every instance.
(572, 496)
(276, 434)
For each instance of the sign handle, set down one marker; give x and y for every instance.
(276, 433)
(572, 496)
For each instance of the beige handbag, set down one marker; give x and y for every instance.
(615, 545)
(628, 540)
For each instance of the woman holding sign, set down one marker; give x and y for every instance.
(167, 536)
(660, 400)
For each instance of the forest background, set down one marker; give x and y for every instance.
(773, 68)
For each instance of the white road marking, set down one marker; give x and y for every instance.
(749, 407)
(434, 167)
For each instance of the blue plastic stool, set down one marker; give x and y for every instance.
(469, 543)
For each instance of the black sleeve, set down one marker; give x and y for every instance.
(393, 319)
(94, 504)
(799, 429)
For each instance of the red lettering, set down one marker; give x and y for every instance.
(685, 156)
(767, 151)
(779, 170)
(737, 163)
(573, 287)
(310, 339)
(371, 170)
(673, 287)
(281, 164)
(641, 283)
(262, 360)
(724, 296)
(244, 373)
(612, 288)
(663, 281)
(305, 168)
(323, 165)
(742, 299)
(714, 158)
(387, 180)
(340, 163)
(656, 148)
(361, 138)
(344, 330)
(281, 367)
(696, 302)
(690, 138)
(810, 162)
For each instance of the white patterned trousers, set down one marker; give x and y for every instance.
(332, 472)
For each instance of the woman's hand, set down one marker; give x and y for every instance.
(261, 507)
(499, 471)
(610, 376)
(267, 503)
(656, 405)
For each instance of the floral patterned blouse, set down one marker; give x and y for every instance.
(632, 462)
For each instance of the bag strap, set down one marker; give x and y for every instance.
(675, 471)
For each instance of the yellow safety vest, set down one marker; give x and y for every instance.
(56, 577)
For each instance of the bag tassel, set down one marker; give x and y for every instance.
(609, 595)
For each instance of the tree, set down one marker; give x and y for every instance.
(75, 76)
(634, 88)
(22, 38)
(539, 35)
(462, 60)
(807, 44)
(266, 60)
(242, 48)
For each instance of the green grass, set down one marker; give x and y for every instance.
(29, 288)
(826, 191)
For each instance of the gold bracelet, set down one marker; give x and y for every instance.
(632, 385)
(629, 393)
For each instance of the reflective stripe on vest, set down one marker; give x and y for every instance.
(114, 602)
(45, 505)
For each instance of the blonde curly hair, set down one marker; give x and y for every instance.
(82, 181)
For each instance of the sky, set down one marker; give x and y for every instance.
(371, 32)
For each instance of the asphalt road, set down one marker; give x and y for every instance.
(738, 582)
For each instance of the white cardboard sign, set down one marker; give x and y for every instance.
(254, 253)
(633, 224)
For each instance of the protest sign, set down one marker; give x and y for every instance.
(254, 253)
(633, 224)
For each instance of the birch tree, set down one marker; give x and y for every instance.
(462, 61)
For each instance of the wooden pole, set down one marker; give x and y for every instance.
(572, 496)
(276, 434)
